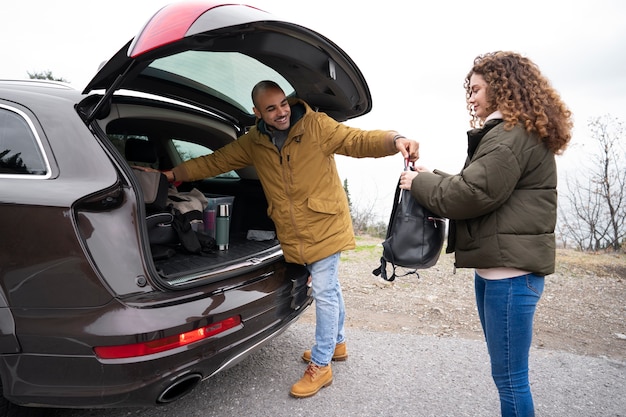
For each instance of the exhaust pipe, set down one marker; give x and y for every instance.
(179, 388)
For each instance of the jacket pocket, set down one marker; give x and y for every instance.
(466, 236)
(327, 225)
(323, 206)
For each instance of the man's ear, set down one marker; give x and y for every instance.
(256, 113)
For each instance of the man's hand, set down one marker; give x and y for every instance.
(169, 174)
(410, 149)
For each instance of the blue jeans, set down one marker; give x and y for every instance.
(330, 311)
(506, 308)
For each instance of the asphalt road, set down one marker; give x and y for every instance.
(394, 375)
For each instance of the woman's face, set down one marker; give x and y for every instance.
(478, 97)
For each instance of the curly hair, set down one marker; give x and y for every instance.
(516, 88)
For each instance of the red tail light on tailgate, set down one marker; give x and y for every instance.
(166, 343)
(169, 25)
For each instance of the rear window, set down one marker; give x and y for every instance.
(20, 148)
(229, 76)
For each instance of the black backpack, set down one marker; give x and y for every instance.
(414, 238)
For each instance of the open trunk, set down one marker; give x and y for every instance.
(169, 134)
(249, 210)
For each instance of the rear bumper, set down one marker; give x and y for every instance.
(71, 382)
(58, 368)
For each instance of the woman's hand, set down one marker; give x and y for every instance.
(406, 179)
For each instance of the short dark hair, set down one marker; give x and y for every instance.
(262, 86)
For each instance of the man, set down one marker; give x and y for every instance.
(292, 148)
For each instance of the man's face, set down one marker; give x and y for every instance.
(273, 108)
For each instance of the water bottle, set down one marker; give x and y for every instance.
(222, 226)
(209, 222)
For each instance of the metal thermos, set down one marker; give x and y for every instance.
(222, 226)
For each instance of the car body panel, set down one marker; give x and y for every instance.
(44, 204)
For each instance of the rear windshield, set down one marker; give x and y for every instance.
(227, 75)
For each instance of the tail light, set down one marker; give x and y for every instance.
(166, 343)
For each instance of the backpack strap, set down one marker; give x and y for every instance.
(382, 271)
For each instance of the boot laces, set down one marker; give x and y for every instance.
(312, 370)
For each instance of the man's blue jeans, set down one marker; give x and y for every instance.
(506, 308)
(329, 308)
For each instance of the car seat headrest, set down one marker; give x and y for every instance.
(138, 150)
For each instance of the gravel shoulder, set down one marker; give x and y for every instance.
(582, 310)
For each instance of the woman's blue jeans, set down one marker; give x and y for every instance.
(506, 308)
(329, 308)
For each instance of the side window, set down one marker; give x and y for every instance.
(189, 150)
(20, 152)
(137, 149)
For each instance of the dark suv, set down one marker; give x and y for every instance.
(90, 316)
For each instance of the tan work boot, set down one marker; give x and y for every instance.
(315, 378)
(340, 354)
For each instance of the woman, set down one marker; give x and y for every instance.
(502, 207)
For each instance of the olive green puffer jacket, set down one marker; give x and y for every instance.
(502, 205)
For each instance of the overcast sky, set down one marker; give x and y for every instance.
(414, 59)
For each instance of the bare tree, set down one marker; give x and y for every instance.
(594, 215)
(363, 217)
(45, 75)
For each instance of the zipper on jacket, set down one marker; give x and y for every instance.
(289, 172)
(288, 181)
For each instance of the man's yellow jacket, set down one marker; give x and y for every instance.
(306, 198)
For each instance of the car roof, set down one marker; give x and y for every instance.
(211, 54)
